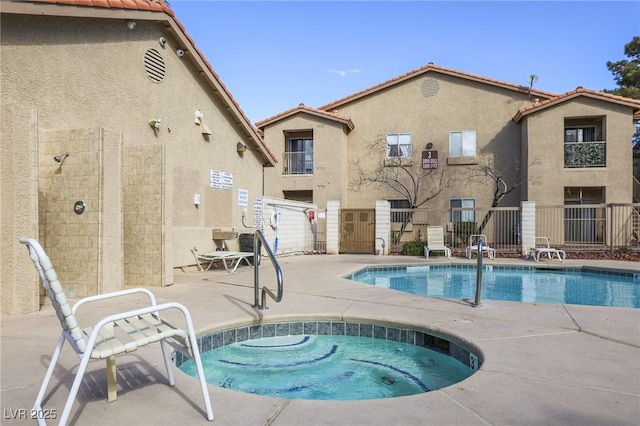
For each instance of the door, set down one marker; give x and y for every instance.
(357, 231)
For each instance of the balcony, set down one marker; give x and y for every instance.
(297, 163)
(585, 154)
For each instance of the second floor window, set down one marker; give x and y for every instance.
(580, 134)
(298, 156)
(399, 145)
(584, 142)
(462, 143)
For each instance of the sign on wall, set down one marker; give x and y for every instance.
(221, 180)
(243, 197)
(257, 213)
(429, 159)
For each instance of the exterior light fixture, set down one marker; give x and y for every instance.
(240, 147)
(205, 130)
(131, 24)
(198, 115)
(155, 123)
(429, 145)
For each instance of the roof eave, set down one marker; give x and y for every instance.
(565, 97)
(436, 69)
(345, 121)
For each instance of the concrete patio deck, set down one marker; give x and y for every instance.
(543, 363)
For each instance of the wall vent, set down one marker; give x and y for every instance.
(429, 88)
(154, 65)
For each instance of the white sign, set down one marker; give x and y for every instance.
(243, 197)
(221, 180)
(257, 213)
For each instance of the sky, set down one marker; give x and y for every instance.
(274, 55)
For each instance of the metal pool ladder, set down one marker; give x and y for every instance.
(478, 274)
(258, 239)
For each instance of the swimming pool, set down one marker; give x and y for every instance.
(331, 360)
(516, 284)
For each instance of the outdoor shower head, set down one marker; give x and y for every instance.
(60, 158)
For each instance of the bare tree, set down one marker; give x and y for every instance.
(504, 180)
(402, 175)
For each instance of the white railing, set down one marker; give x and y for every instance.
(297, 163)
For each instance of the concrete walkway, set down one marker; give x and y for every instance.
(543, 363)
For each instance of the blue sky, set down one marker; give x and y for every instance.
(273, 55)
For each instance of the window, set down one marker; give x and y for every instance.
(458, 215)
(462, 143)
(584, 142)
(580, 134)
(298, 156)
(399, 145)
(400, 217)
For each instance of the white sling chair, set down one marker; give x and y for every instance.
(141, 327)
(435, 241)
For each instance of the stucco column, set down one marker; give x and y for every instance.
(528, 226)
(383, 226)
(333, 230)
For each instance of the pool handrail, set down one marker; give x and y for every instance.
(478, 274)
(258, 240)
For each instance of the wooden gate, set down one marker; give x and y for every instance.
(357, 231)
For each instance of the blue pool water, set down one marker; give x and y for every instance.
(329, 367)
(510, 284)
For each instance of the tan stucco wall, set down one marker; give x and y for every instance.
(544, 133)
(458, 105)
(18, 208)
(72, 75)
(329, 178)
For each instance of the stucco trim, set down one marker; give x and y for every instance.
(462, 161)
(345, 121)
(432, 68)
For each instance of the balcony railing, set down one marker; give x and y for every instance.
(297, 163)
(585, 154)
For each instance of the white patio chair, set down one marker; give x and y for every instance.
(473, 246)
(542, 245)
(234, 258)
(435, 241)
(136, 328)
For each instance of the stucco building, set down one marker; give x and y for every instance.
(119, 147)
(458, 132)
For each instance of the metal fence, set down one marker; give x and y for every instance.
(590, 226)
(500, 225)
(571, 227)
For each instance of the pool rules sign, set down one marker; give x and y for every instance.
(429, 159)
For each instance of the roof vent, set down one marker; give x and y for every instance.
(429, 88)
(154, 65)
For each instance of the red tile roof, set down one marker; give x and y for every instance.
(431, 67)
(151, 5)
(579, 91)
(313, 111)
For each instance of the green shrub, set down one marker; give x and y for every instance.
(413, 248)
